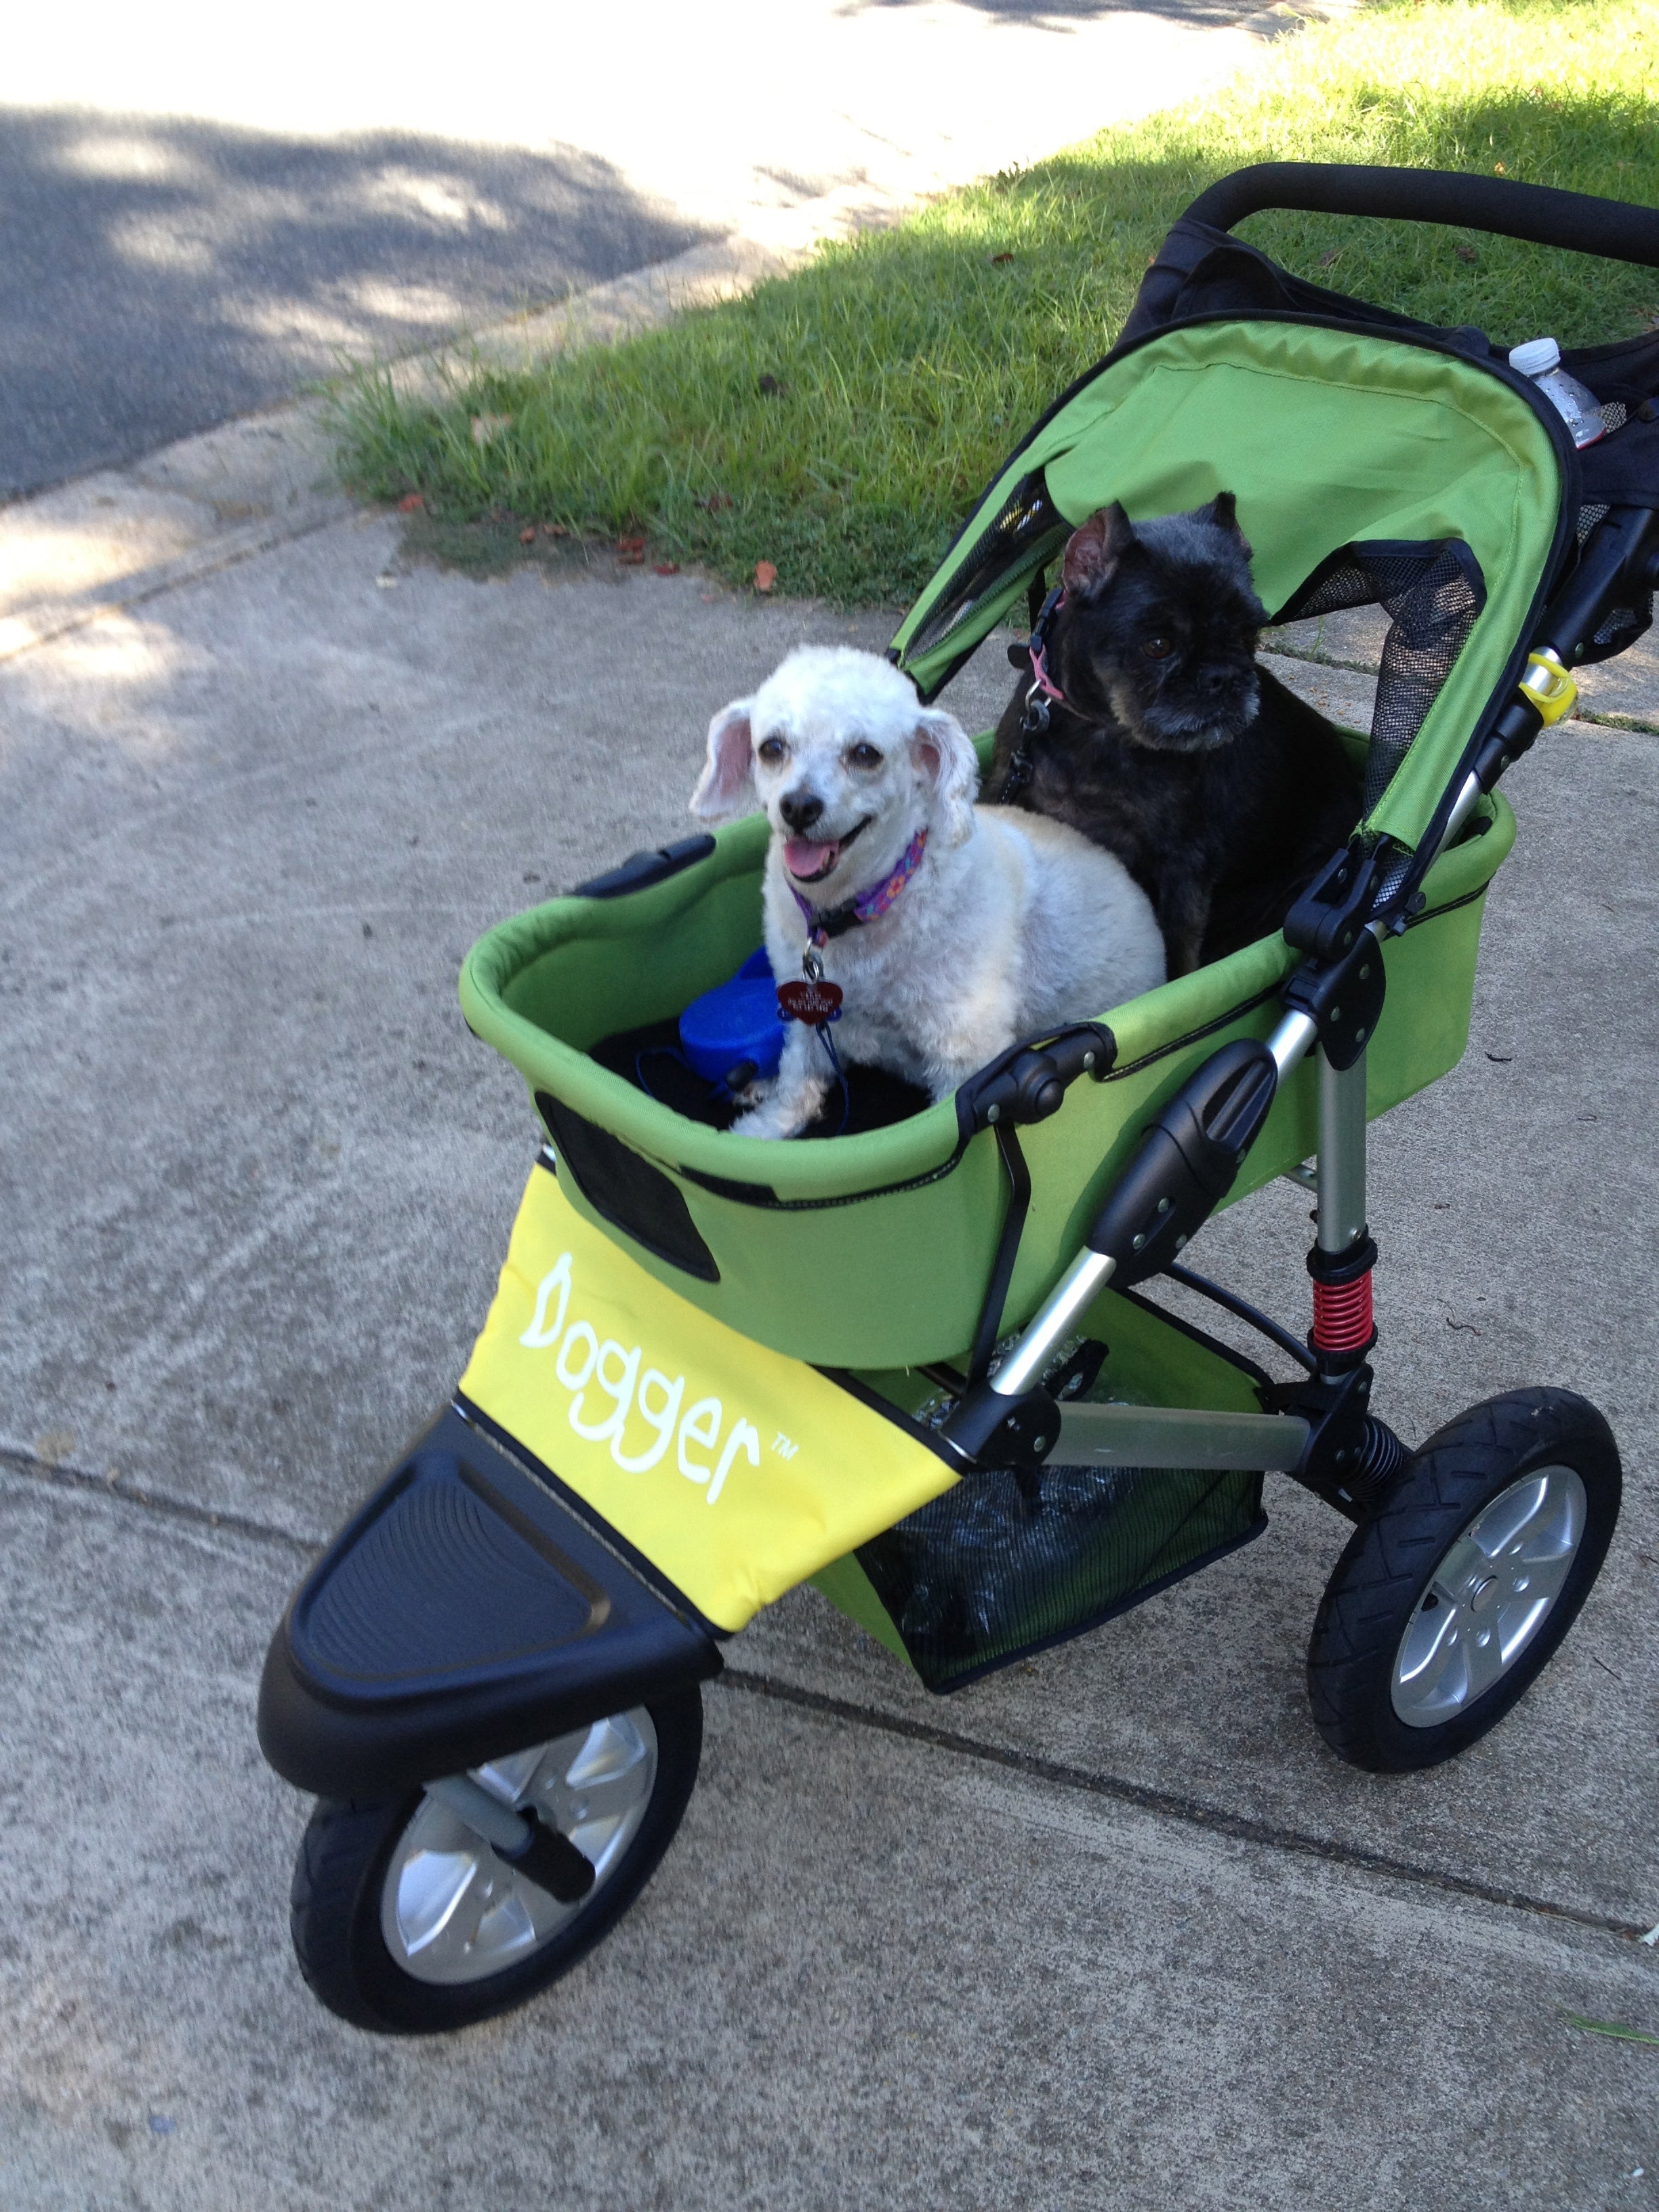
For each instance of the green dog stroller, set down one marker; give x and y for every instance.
(920, 1364)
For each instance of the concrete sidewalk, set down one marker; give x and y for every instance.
(1111, 1928)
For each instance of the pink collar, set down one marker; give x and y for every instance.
(1041, 679)
(868, 905)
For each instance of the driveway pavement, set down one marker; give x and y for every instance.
(1112, 1928)
(202, 213)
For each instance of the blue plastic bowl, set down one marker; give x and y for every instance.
(735, 1021)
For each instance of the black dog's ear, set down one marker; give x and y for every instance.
(1223, 511)
(1094, 552)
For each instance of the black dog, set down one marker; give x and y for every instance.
(1154, 731)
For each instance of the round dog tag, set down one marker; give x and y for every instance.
(814, 1003)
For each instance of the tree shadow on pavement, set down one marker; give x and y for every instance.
(160, 276)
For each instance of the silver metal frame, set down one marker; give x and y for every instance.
(1339, 1180)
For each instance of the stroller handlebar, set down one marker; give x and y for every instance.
(1540, 214)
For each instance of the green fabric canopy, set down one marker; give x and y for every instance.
(1326, 436)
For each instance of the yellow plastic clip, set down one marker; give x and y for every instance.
(1549, 686)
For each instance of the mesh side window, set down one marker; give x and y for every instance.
(1026, 529)
(983, 1573)
(1432, 593)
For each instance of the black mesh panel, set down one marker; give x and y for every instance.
(1025, 530)
(1432, 593)
(984, 1573)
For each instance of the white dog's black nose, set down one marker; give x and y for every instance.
(800, 810)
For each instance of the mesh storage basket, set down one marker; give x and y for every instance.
(993, 1569)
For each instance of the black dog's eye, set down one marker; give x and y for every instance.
(771, 750)
(864, 754)
(1157, 649)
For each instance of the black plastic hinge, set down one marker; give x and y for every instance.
(1343, 997)
(989, 1430)
(1351, 1459)
(1326, 921)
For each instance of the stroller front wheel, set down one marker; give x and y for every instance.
(405, 1920)
(1450, 1599)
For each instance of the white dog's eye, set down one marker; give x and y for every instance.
(864, 754)
(771, 750)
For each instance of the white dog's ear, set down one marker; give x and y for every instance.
(944, 756)
(728, 781)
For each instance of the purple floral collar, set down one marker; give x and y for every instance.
(868, 904)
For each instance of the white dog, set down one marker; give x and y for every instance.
(951, 930)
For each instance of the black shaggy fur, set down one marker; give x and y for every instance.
(1219, 790)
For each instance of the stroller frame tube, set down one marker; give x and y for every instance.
(1091, 1271)
(1342, 1155)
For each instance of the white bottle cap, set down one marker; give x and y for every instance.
(1537, 357)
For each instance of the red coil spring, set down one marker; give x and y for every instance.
(1342, 1314)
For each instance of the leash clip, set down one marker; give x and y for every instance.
(812, 964)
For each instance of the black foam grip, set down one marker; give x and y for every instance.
(1540, 214)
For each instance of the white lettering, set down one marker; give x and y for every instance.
(621, 1390)
(701, 1426)
(662, 1421)
(742, 1437)
(578, 1333)
(582, 1360)
(538, 1335)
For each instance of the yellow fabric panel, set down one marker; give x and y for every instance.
(736, 1471)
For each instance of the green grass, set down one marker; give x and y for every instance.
(912, 359)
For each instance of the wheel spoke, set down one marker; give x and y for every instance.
(1429, 1655)
(453, 1911)
(1494, 1588)
(1483, 1654)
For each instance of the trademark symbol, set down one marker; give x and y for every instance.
(782, 1446)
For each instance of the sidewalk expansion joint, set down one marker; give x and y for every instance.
(1170, 1805)
(1165, 1804)
(80, 1482)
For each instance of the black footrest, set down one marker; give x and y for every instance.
(464, 1614)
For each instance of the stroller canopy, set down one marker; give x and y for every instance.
(1369, 466)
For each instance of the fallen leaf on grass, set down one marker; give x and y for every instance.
(668, 568)
(717, 502)
(1326, 260)
(997, 259)
(766, 575)
(1610, 2027)
(527, 536)
(1466, 253)
(630, 551)
(555, 530)
(772, 387)
(487, 428)
(410, 503)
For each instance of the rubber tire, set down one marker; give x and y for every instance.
(335, 1916)
(1391, 1557)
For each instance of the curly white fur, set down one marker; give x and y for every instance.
(1012, 924)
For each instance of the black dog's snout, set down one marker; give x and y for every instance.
(801, 809)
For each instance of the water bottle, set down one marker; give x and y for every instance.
(1540, 359)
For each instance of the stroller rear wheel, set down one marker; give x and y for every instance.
(405, 1920)
(1449, 1601)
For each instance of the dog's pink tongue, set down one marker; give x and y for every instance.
(805, 859)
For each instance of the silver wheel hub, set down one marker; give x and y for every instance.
(451, 1910)
(1489, 1596)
